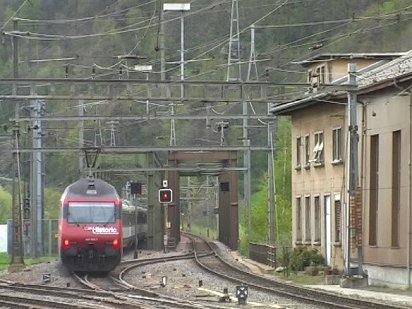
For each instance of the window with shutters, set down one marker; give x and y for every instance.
(316, 205)
(338, 218)
(337, 145)
(308, 236)
(307, 151)
(298, 153)
(298, 226)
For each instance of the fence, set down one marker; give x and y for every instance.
(270, 255)
(50, 229)
(264, 254)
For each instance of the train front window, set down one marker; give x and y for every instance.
(90, 213)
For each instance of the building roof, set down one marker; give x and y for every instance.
(334, 56)
(398, 67)
(368, 77)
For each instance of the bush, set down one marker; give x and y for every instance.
(302, 257)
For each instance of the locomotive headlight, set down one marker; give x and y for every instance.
(66, 244)
(116, 244)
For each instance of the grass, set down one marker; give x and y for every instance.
(202, 231)
(5, 260)
(301, 278)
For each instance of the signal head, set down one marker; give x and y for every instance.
(165, 195)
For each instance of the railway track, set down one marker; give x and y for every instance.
(18, 295)
(136, 284)
(131, 295)
(219, 266)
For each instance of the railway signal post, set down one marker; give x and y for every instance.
(165, 196)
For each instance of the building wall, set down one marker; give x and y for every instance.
(336, 69)
(323, 180)
(339, 67)
(384, 114)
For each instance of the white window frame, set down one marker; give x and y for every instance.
(318, 150)
(321, 71)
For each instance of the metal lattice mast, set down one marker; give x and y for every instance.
(233, 59)
(98, 135)
(172, 140)
(252, 56)
(112, 132)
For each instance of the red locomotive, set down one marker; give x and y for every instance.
(94, 226)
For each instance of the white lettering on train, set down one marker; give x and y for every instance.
(103, 230)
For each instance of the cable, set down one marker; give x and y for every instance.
(91, 18)
(39, 36)
(13, 15)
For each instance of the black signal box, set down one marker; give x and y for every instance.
(165, 195)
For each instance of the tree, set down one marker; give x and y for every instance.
(5, 205)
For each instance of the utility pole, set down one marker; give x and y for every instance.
(252, 55)
(234, 73)
(17, 254)
(272, 237)
(233, 56)
(81, 137)
(353, 169)
(162, 44)
(37, 191)
(182, 8)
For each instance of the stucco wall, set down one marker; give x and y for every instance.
(326, 180)
(384, 114)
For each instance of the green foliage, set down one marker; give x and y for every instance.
(283, 159)
(51, 202)
(133, 29)
(283, 182)
(5, 205)
(302, 257)
(4, 260)
(259, 201)
(284, 221)
(243, 235)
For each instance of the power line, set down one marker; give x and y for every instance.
(13, 16)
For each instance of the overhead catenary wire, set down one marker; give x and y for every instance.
(279, 69)
(172, 68)
(13, 15)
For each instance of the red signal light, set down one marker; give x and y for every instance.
(165, 195)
